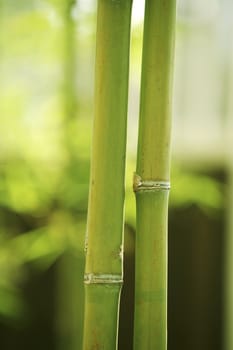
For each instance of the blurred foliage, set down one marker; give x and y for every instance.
(45, 133)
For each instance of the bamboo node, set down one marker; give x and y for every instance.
(149, 185)
(91, 278)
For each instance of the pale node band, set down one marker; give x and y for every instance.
(91, 278)
(149, 185)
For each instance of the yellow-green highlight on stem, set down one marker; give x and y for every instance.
(151, 182)
(103, 270)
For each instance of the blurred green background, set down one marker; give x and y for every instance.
(47, 53)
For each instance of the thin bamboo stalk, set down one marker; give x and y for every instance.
(70, 293)
(69, 58)
(103, 271)
(151, 184)
(69, 95)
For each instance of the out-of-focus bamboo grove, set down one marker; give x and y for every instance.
(47, 50)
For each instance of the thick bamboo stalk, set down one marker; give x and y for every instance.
(151, 184)
(103, 271)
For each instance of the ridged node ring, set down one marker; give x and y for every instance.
(91, 278)
(149, 185)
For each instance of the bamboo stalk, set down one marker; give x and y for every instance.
(69, 96)
(103, 271)
(69, 52)
(69, 315)
(151, 183)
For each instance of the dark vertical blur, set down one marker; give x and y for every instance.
(196, 241)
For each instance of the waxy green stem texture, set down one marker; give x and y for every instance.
(152, 182)
(103, 271)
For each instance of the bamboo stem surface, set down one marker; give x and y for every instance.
(103, 271)
(152, 180)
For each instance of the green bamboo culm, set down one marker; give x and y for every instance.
(103, 269)
(151, 181)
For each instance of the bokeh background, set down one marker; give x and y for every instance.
(47, 54)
